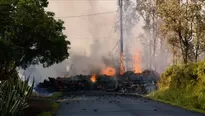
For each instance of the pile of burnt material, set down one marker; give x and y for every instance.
(77, 83)
(104, 82)
(51, 85)
(141, 83)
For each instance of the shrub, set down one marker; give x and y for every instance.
(183, 85)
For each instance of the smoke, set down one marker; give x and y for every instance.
(93, 39)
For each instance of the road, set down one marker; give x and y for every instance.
(115, 105)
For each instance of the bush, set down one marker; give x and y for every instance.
(183, 85)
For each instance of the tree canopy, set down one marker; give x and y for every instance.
(180, 23)
(29, 35)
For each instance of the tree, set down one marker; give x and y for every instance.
(30, 36)
(184, 22)
(147, 10)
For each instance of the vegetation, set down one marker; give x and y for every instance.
(13, 97)
(41, 107)
(183, 85)
(29, 35)
(56, 95)
(180, 25)
(45, 114)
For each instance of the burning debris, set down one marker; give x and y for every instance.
(109, 71)
(93, 78)
(142, 83)
(136, 62)
(122, 65)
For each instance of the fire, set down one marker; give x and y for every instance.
(122, 65)
(136, 62)
(109, 71)
(93, 78)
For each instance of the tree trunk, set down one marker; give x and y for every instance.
(186, 50)
(197, 51)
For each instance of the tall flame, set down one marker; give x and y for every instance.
(109, 71)
(93, 78)
(122, 65)
(136, 62)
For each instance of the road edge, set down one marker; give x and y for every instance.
(174, 104)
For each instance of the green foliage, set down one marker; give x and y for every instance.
(29, 35)
(46, 114)
(183, 24)
(56, 95)
(183, 85)
(14, 96)
(55, 106)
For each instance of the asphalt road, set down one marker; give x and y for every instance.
(115, 105)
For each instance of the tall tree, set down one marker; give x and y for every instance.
(29, 35)
(183, 21)
(147, 10)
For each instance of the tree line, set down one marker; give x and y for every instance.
(180, 23)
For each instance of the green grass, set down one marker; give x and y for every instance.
(56, 95)
(176, 104)
(55, 106)
(184, 86)
(45, 114)
(41, 107)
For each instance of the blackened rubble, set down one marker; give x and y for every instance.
(141, 83)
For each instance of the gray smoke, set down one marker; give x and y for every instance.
(93, 39)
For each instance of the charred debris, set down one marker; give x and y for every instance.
(141, 83)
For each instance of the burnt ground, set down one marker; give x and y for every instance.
(117, 105)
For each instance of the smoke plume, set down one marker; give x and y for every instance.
(93, 39)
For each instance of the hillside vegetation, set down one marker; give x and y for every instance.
(183, 85)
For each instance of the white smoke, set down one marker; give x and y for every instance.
(94, 37)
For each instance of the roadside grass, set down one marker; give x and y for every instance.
(43, 106)
(183, 86)
(56, 95)
(45, 114)
(174, 102)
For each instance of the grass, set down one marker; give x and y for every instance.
(176, 104)
(178, 97)
(41, 107)
(45, 114)
(56, 95)
(183, 86)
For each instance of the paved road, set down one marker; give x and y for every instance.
(112, 105)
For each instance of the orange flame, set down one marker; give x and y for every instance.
(122, 65)
(136, 62)
(109, 71)
(93, 78)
